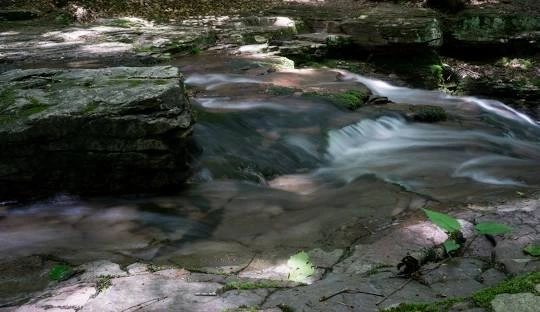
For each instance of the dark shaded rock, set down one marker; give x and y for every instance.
(451, 6)
(490, 32)
(93, 131)
(18, 15)
(22, 277)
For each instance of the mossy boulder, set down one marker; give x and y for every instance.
(394, 28)
(492, 31)
(112, 130)
(351, 100)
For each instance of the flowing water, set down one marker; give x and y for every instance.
(283, 170)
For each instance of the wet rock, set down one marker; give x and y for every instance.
(416, 113)
(428, 113)
(21, 278)
(524, 302)
(93, 131)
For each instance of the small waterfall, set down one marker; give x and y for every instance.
(416, 154)
(417, 96)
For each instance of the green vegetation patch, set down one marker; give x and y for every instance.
(351, 100)
(103, 282)
(442, 306)
(520, 284)
(123, 23)
(244, 285)
(60, 272)
(7, 97)
(278, 90)
(429, 113)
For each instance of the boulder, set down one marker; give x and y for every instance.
(111, 130)
(392, 29)
(492, 31)
(523, 302)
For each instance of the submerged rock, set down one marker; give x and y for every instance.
(93, 131)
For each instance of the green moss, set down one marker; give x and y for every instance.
(103, 282)
(437, 73)
(161, 81)
(141, 49)
(351, 100)
(285, 308)
(7, 98)
(442, 306)
(91, 107)
(64, 19)
(156, 267)
(429, 113)
(60, 272)
(520, 284)
(122, 23)
(245, 285)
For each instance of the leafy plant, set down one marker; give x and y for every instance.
(103, 282)
(60, 272)
(452, 227)
(490, 228)
(300, 267)
(532, 250)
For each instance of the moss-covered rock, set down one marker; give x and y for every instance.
(394, 28)
(93, 131)
(351, 100)
(491, 31)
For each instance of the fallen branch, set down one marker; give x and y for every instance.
(348, 291)
(143, 305)
(394, 291)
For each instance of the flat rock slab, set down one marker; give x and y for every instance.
(524, 302)
(93, 131)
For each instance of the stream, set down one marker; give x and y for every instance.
(279, 170)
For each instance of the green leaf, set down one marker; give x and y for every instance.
(450, 245)
(60, 272)
(490, 228)
(443, 221)
(532, 250)
(300, 267)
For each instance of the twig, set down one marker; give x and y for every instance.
(394, 291)
(143, 305)
(349, 291)
(207, 294)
